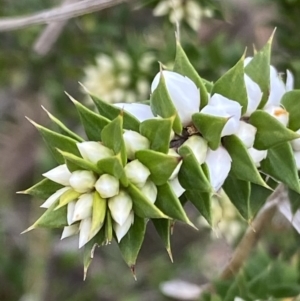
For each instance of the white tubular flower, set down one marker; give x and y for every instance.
(59, 174)
(107, 186)
(120, 207)
(121, 231)
(246, 133)
(84, 228)
(94, 151)
(150, 191)
(70, 212)
(54, 197)
(199, 147)
(183, 92)
(70, 231)
(138, 110)
(254, 95)
(279, 113)
(137, 173)
(257, 155)
(134, 141)
(221, 106)
(175, 172)
(177, 188)
(83, 207)
(297, 159)
(219, 164)
(295, 143)
(82, 180)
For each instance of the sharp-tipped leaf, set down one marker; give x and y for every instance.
(258, 197)
(163, 228)
(291, 102)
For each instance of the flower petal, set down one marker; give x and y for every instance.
(83, 207)
(59, 174)
(85, 227)
(54, 197)
(296, 143)
(121, 231)
(150, 191)
(289, 85)
(70, 212)
(82, 180)
(134, 141)
(279, 113)
(254, 95)
(107, 186)
(246, 133)
(257, 155)
(137, 173)
(199, 147)
(69, 231)
(138, 110)
(177, 188)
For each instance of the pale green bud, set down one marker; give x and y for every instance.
(199, 147)
(84, 232)
(121, 231)
(150, 191)
(59, 174)
(70, 231)
(83, 207)
(137, 173)
(107, 186)
(82, 180)
(246, 133)
(134, 141)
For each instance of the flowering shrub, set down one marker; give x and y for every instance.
(194, 140)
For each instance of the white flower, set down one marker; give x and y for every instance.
(137, 173)
(297, 159)
(199, 147)
(120, 207)
(54, 197)
(175, 172)
(150, 191)
(254, 95)
(177, 188)
(107, 186)
(84, 231)
(221, 106)
(134, 141)
(289, 85)
(83, 207)
(82, 180)
(70, 212)
(257, 155)
(69, 231)
(138, 110)
(219, 163)
(59, 174)
(94, 151)
(121, 231)
(296, 143)
(246, 133)
(183, 92)
(279, 113)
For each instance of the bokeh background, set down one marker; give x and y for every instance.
(115, 53)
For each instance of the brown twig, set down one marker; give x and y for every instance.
(57, 14)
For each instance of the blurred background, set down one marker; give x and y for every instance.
(115, 53)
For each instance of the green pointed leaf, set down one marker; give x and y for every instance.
(210, 127)
(67, 197)
(43, 189)
(99, 213)
(64, 130)
(113, 167)
(257, 286)
(160, 165)
(57, 141)
(291, 102)
(131, 243)
(111, 112)
(142, 206)
(92, 122)
(238, 192)
(202, 201)
(258, 70)
(228, 83)
(183, 66)
(265, 137)
(162, 105)
(191, 176)
(108, 228)
(168, 203)
(242, 166)
(258, 197)
(112, 137)
(158, 131)
(280, 164)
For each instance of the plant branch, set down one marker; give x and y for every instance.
(60, 13)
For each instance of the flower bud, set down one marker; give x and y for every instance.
(183, 92)
(279, 113)
(54, 197)
(69, 231)
(134, 141)
(107, 186)
(219, 163)
(82, 180)
(297, 159)
(137, 173)
(83, 207)
(175, 172)
(121, 231)
(199, 147)
(120, 207)
(94, 151)
(257, 155)
(221, 106)
(246, 133)
(138, 110)
(150, 191)
(296, 143)
(59, 174)
(177, 188)
(254, 95)
(70, 212)
(84, 228)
